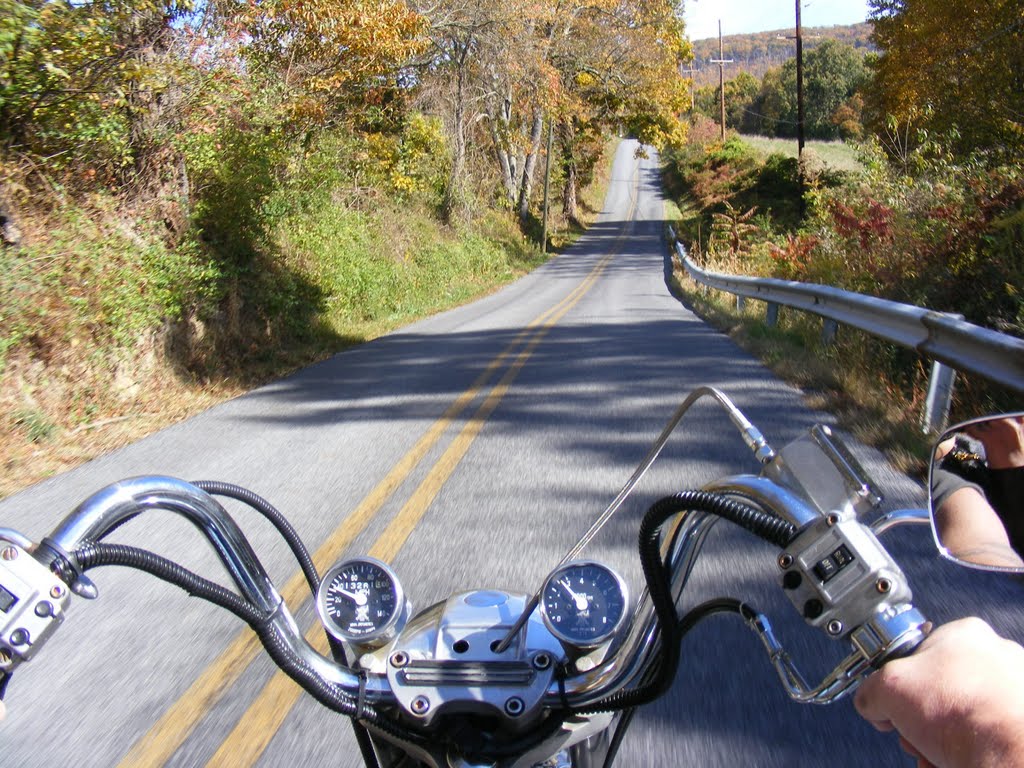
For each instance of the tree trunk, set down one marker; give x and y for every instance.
(453, 188)
(570, 205)
(158, 172)
(500, 130)
(530, 165)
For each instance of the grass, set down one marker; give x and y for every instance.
(836, 155)
(88, 365)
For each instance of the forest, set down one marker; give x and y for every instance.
(197, 196)
(757, 52)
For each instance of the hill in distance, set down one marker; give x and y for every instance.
(757, 52)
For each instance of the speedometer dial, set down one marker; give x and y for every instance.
(360, 600)
(583, 603)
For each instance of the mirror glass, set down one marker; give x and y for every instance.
(976, 494)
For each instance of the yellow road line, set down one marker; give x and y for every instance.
(164, 738)
(255, 729)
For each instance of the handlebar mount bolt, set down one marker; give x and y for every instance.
(9, 553)
(833, 518)
(835, 627)
(541, 661)
(785, 560)
(420, 705)
(514, 706)
(56, 591)
(883, 585)
(399, 659)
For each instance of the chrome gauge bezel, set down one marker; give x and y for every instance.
(387, 629)
(597, 640)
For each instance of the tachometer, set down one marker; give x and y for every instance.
(584, 603)
(360, 600)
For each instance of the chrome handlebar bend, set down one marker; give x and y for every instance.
(105, 510)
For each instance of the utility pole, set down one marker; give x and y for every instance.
(799, 94)
(801, 176)
(800, 110)
(721, 61)
(547, 185)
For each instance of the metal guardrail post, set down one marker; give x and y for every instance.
(741, 303)
(771, 315)
(829, 330)
(940, 398)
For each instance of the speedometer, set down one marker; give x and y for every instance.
(360, 600)
(584, 603)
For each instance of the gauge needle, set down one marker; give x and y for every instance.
(359, 598)
(580, 599)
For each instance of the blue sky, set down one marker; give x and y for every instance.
(740, 16)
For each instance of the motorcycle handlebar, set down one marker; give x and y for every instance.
(98, 516)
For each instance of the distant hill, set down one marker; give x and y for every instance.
(758, 52)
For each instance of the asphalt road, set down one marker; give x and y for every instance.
(471, 450)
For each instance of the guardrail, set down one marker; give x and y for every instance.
(948, 340)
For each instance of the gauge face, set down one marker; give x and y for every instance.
(583, 603)
(360, 600)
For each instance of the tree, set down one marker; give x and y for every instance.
(619, 67)
(833, 74)
(328, 54)
(79, 78)
(741, 93)
(954, 69)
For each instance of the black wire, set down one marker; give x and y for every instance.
(294, 541)
(101, 554)
(279, 521)
(763, 524)
(328, 694)
(687, 623)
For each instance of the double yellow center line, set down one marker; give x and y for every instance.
(258, 725)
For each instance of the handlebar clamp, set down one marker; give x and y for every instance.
(32, 604)
(840, 577)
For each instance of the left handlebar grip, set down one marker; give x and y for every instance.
(32, 605)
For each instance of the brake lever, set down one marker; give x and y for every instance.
(875, 643)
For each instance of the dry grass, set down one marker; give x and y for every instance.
(836, 155)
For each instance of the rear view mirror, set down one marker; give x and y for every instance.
(976, 497)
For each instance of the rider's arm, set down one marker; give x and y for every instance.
(970, 529)
(958, 702)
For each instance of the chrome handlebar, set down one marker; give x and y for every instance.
(787, 487)
(114, 505)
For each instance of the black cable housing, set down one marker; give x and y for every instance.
(279, 521)
(766, 526)
(688, 622)
(329, 695)
(291, 537)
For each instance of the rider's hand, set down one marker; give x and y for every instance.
(957, 702)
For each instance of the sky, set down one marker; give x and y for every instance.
(741, 16)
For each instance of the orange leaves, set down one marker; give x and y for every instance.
(324, 46)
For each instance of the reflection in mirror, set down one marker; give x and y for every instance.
(977, 492)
